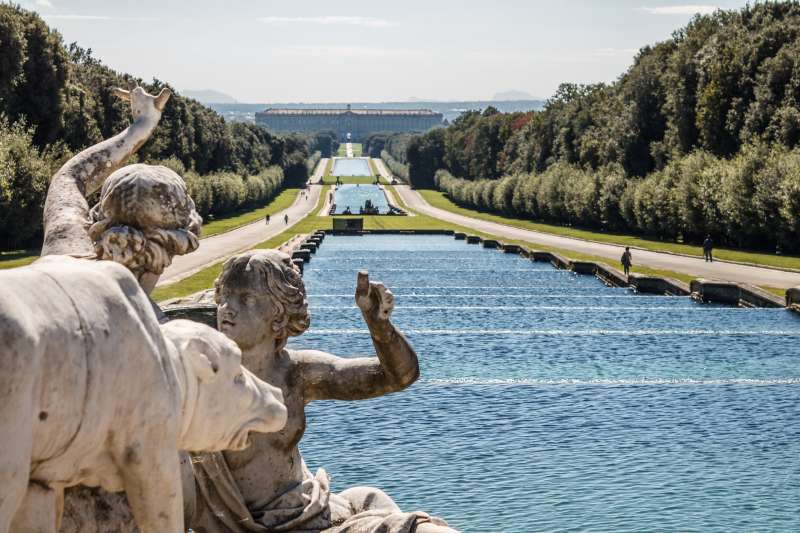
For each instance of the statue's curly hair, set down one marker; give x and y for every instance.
(271, 272)
(144, 218)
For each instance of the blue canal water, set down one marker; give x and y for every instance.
(356, 196)
(351, 167)
(549, 402)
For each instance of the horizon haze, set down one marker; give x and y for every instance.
(369, 52)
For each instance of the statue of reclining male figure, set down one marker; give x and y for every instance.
(261, 303)
(93, 391)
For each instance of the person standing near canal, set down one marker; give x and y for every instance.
(708, 246)
(626, 260)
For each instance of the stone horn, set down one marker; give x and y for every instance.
(122, 93)
(161, 99)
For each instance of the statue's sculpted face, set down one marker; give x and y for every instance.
(244, 314)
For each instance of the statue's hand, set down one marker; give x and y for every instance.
(374, 299)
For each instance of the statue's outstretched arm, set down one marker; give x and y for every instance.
(328, 377)
(66, 211)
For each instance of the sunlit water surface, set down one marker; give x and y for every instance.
(548, 402)
(356, 196)
(351, 167)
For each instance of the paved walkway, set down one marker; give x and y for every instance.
(218, 247)
(696, 267)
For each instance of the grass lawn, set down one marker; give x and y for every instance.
(369, 180)
(284, 199)
(438, 199)
(18, 258)
(358, 149)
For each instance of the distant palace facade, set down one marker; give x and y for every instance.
(357, 122)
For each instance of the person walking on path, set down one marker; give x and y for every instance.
(708, 246)
(286, 218)
(266, 219)
(626, 260)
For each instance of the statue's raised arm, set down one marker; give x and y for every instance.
(328, 377)
(66, 211)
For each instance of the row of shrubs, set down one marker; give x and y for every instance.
(221, 193)
(25, 173)
(396, 167)
(749, 201)
(311, 162)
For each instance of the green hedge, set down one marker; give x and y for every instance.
(396, 167)
(222, 193)
(749, 201)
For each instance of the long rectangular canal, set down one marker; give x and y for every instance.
(549, 402)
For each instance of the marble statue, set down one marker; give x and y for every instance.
(261, 303)
(93, 391)
(144, 217)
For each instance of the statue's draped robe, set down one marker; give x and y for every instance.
(309, 507)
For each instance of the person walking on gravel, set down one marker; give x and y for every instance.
(626, 260)
(266, 219)
(286, 218)
(708, 246)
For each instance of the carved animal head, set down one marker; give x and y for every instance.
(144, 104)
(223, 401)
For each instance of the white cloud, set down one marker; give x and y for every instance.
(99, 17)
(347, 51)
(368, 22)
(703, 9)
(44, 3)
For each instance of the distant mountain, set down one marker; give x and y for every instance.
(512, 95)
(209, 96)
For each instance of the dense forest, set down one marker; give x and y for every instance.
(700, 136)
(56, 100)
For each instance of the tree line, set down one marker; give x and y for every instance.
(699, 136)
(56, 100)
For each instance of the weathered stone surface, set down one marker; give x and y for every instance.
(144, 217)
(658, 285)
(305, 255)
(205, 313)
(583, 267)
(732, 293)
(793, 298)
(611, 276)
(94, 391)
(513, 249)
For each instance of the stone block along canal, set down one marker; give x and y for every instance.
(549, 402)
(356, 196)
(351, 167)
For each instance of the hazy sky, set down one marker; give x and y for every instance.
(314, 51)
